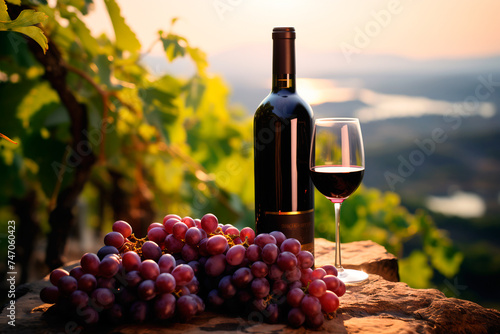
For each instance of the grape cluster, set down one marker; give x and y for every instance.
(183, 263)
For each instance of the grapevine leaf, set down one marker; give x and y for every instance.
(172, 46)
(25, 24)
(15, 2)
(126, 39)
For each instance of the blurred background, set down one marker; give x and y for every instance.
(140, 109)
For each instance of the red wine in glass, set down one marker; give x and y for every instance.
(337, 182)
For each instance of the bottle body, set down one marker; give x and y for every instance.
(283, 124)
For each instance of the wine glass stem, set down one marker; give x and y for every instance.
(338, 262)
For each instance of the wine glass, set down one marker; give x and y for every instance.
(337, 165)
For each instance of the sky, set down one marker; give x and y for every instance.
(424, 29)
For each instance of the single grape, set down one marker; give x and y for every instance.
(259, 269)
(67, 284)
(293, 285)
(171, 216)
(166, 263)
(272, 313)
(316, 320)
(332, 282)
(263, 239)
(310, 305)
(259, 304)
(114, 239)
(225, 227)
(305, 260)
(90, 263)
(242, 277)
(103, 297)
(293, 275)
(269, 253)
(79, 298)
(165, 283)
(279, 288)
(260, 287)
(169, 224)
(294, 297)
(317, 288)
(318, 273)
(193, 236)
(151, 251)
(329, 302)
(235, 255)
(214, 298)
(77, 272)
(253, 253)
(193, 286)
(108, 283)
(226, 288)
(173, 244)
(216, 244)
(330, 269)
(275, 273)
(108, 267)
(290, 245)
(197, 221)
(232, 231)
(306, 276)
(189, 253)
(215, 265)
(286, 261)
(199, 302)
(340, 291)
(131, 261)
(165, 306)
(106, 250)
(49, 294)
(209, 223)
(123, 228)
(157, 234)
(149, 270)
(132, 279)
(195, 265)
(279, 236)
(146, 290)
(87, 283)
(202, 247)
(139, 311)
(296, 317)
(247, 233)
(187, 308)
(179, 230)
(56, 275)
(188, 221)
(183, 274)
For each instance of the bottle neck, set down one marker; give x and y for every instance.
(284, 64)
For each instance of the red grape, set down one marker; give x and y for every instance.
(187, 307)
(171, 216)
(296, 317)
(165, 283)
(233, 231)
(154, 225)
(77, 272)
(215, 265)
(259, 269)
(318, 273)
(90, 263)
(165, 306)
(235, 255)
(189, 253)
(341, 289)
(67, 284)
(166, 263)
(317, 288)
(183, 274)
(279, 288)
(272, 313)
(79, 298)
(123, 228)
(242, 277)
(87, 283)
(294, 297)
(260, 287)
(293, 275)
(173, 244)
(253, 253)
(332, 282)
(226, 288)
(310, 305)
(306, 276)
(209, 223)
(249, 233)
(263, 239)
(305, 259)
(286, 261)
(139, 311)
(216, 244)
(131, 261)
(330, 269)
(151, 251)
(149, 270)
(275, 273)
(329, 302)
(193, 236)
(316, 320)
(157, 234)
(214, 298)
(270, 253)
(279, 236)
(146, 290)
(108, 267)
(56, 275)
(169, 224)
(132, 279)
(49, 294)
(188, 221)
(106, 250)
(179, 230)
(290, 245)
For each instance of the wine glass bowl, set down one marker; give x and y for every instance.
(337, 165)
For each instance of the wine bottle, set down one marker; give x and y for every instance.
(283, 124)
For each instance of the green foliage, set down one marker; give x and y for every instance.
(24, 23)
(174, 139)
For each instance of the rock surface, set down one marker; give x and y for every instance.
(377, 306)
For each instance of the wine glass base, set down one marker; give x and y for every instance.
(351, 276)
